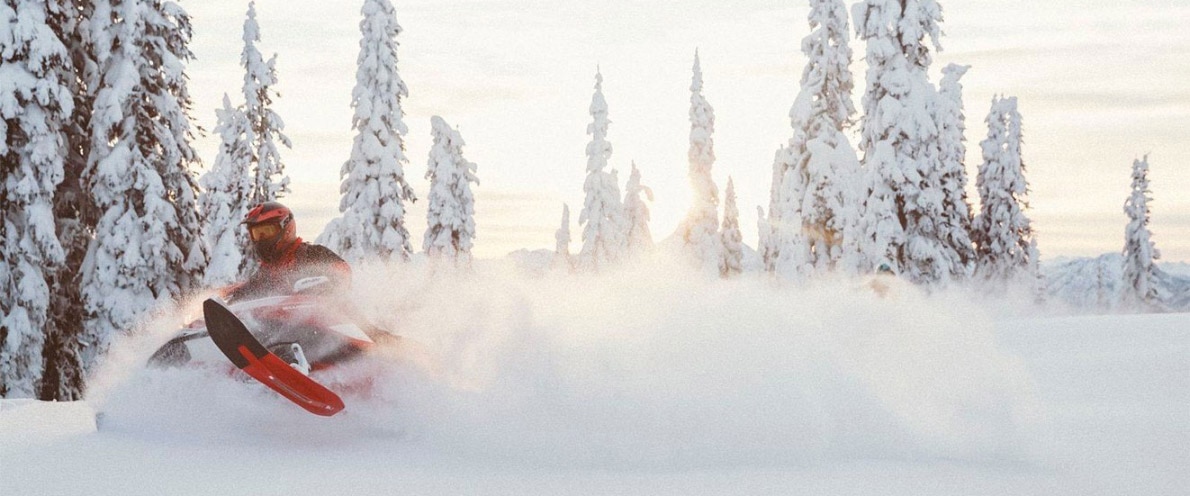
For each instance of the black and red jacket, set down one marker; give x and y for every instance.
(301, 261)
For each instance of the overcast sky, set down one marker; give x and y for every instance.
(1100, 83)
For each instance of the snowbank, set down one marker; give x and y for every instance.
(27, 422)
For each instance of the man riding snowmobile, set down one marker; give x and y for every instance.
(284, 258)
(288, 266)
(290, 321)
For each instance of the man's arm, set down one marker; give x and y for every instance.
(331, 264)
(256, 285)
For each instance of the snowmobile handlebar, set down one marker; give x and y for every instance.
(305, 285)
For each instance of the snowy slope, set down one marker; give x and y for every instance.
(654, 381)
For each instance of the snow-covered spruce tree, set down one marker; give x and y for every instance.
(562, 238)
(700, 229)
(955, 221)
(639, 238)
(819, 165)
(766, 224)
(764, 238)
(265, 125)
(882, 230)
(227, 190)
(733, 241)
(1142, 277)
(374, 189)
(899, 140)
(602, 217)
(790, 252)
(148, 247)
(75, 214)
(450, 220)
(1003, 235)
(35, 105)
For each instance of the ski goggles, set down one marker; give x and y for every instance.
(261, 232)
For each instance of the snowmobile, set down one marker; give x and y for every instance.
(281, 341)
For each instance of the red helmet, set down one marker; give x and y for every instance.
(272, 230)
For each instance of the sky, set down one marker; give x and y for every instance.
(1100, 83)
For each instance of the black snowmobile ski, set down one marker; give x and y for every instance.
(247, 353)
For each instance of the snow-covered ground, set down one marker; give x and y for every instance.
(641, 382)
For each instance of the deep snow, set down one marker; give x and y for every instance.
(651, 380)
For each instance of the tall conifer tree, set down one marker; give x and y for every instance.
(902, 157)
(562, 241)
(1003, 235)
(700, 229)
(265, 126)
(817, 201)
(147, 248)
(374, 188)
(227, 190)
(75, 213)
(639, 238)
(602, 216)
(450, 218)
(955, 220)
(733, 241)
(1142, 277)
(35, 107)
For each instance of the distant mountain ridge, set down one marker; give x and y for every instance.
(1097, 283)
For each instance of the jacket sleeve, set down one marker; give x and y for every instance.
(257, 284)
(331, 264)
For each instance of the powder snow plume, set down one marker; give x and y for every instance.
(650, 364)
(657, 364)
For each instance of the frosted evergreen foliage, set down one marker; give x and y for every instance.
(450, 221)
(826, 80)
(791, 258)
(897, 54)
(35, 104)
(639, 238)
(955, 221)
(900, 142)
(700, 229)
(1142, 277)
(766, 224)
(819, 167)
(1003, 234)
(562, 239)
(148, 247)
(766, 247)
(74, 213)
(265, 125)
(374, 189)
(225, 200)
(733, 240)
(603, 220)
